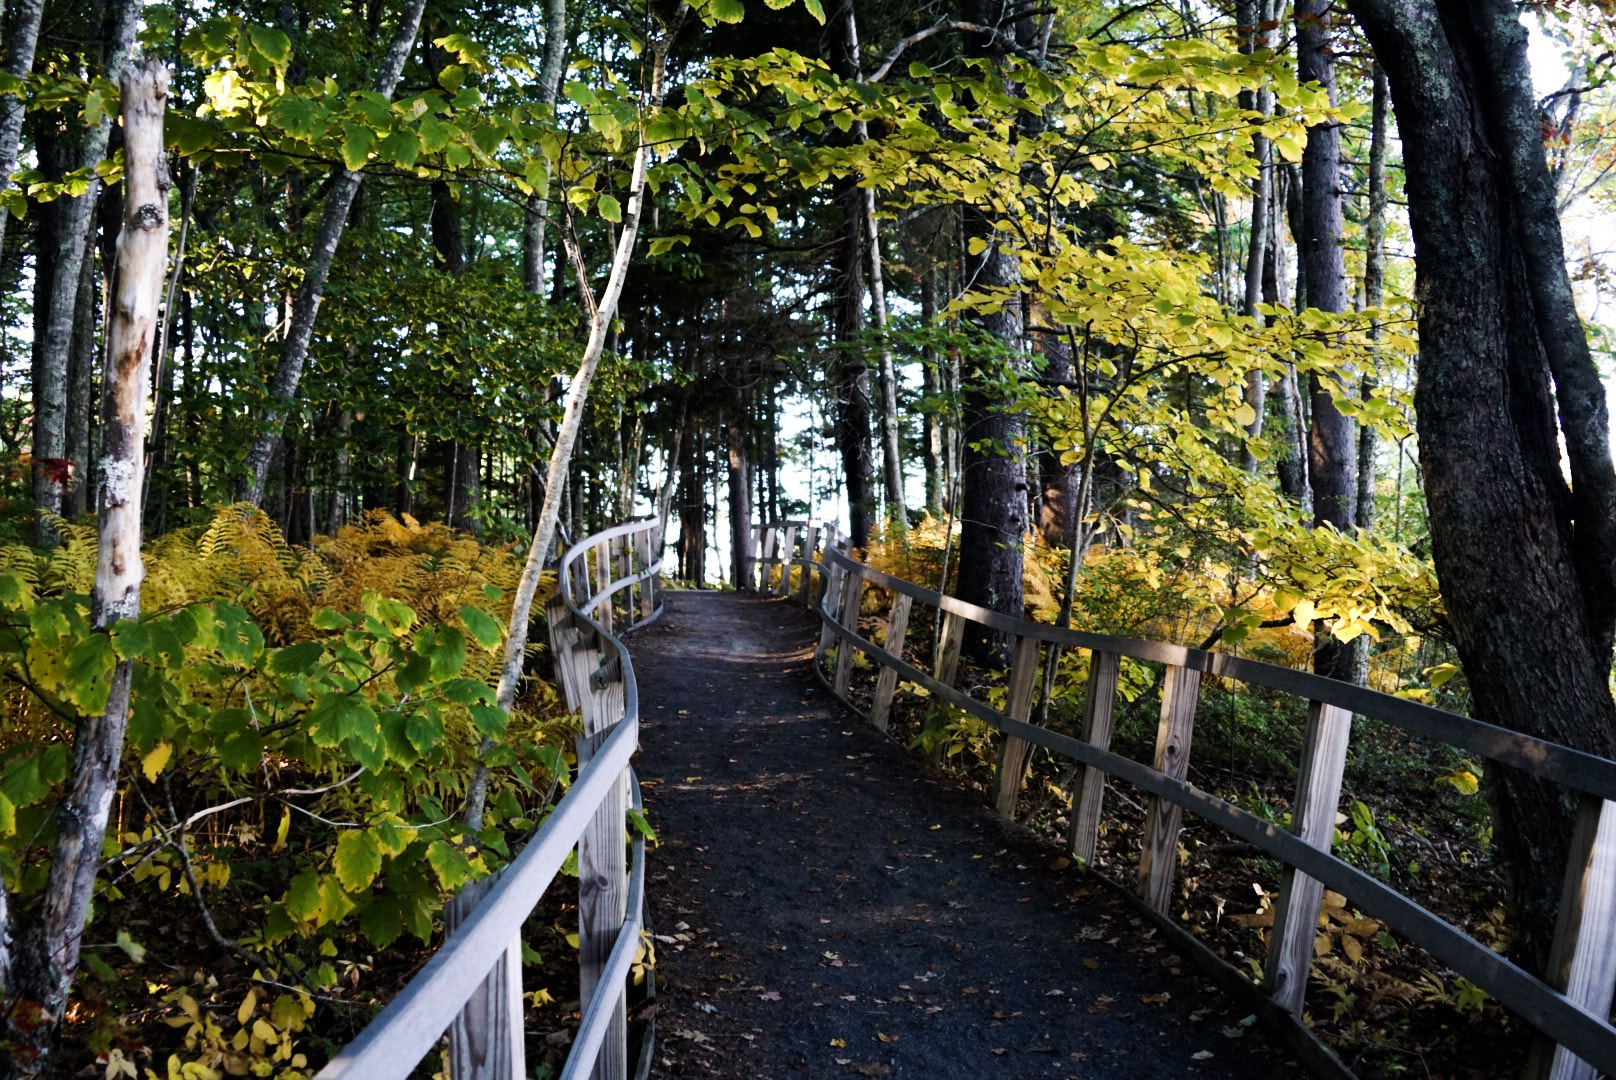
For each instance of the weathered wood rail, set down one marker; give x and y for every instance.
(472, 986)
(1571, 1010)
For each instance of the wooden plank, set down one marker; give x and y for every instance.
(809, 548)
(602, 611)
(603, 897)
(1318, 794)
(948, 648)
(1159, 857)
(486, 1038)
(787, 547)
(1088, 797)
(1582, 960)
(887, 684)
(1018, 706)
(852, 595)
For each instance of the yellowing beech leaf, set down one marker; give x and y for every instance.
(1302, 611)
(248, 1004)
(152, 764)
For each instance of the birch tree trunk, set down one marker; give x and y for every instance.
(537, 205)
(605, 310)
(47, 959)
(295, 349)
(1255, 34)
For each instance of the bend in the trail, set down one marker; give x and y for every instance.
(826, 909)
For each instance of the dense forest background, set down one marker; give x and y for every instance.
(1242, 325)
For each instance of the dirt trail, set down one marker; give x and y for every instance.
(837, 912)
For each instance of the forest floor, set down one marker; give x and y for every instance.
(826, 908)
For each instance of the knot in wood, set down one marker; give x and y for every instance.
(149, 216)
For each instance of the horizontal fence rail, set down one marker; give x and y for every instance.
(472, 986)
(1571, 1010)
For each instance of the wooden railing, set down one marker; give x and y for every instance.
(472, 986)
(1571, 1010)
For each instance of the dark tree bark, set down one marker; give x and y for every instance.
(740, 505)
(1332, 442)
(853, 407)
(936, 462)
(993, 479)
(1254, 17)
(1374, 283)
(21, 44)
(462, 484)
(1058, 509)
(1525, 560)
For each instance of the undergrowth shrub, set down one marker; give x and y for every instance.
(303, 727)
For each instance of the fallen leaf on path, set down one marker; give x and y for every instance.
(772, 995)
(838, 1042)
(871, 1068)
(1001, 1051)
(1056, 993)
(1201, 1055)
(884, 1037)
(1060, 864)
(1155, 999)
(1091, 963)
(970, 990)
(1101, 1004)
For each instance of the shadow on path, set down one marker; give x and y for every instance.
(826, 909)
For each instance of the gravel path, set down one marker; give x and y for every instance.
(827, 909)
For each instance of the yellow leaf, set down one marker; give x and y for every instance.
(1354, 951)
(248, 1004)
(153, 763)
(1303, 612)
(838, 1042)
(884, 1037)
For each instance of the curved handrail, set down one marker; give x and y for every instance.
(468, 962)
(1575, 1019)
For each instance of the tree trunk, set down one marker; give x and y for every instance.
(1059, 505)
(80, 389)
(48, 957)
(55, 344)
(1374, 283)
(1524, 560)
(537, 205)
(740, 506)
(1254, 18)
(993, 479)
(1332, 443)
(932, 389)
(21, 45)
(295, 349)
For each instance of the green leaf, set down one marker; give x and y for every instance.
(8, 816)
(423, 730)
(130, 639)
(357, 143)
(275, 46)
(449, 863)
(89, 673)
(382, 921)
(296, 659)
(490, 720)
(466, 691)
(241, 751)
(303, 896)
(484, 629)
(815, 9)
(326, 619)
(358, 860)
(726, 11)
(610, 208)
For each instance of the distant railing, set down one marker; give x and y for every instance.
(1572, 1009)
(472, 986)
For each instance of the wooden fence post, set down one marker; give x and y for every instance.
(852, 594)
(832, 599)
(770, 534)
(624, 566)
(1296, 915)
(1088, 797)
(787, 547)
(1018, 706)
(486, 1039)
(642, 547)
(1582, 960)
(809, 544)
(1159, 857)
(887, 684)
(948, 648)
